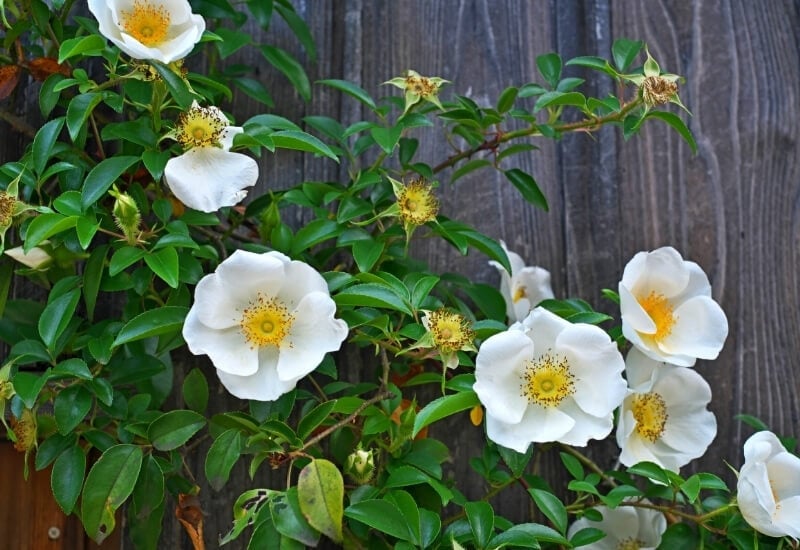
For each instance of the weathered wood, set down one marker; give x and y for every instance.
(732, 208)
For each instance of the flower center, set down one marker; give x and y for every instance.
(519, 293)
(657, 90)
(420, 85)
(417, 203)
(7, 203)
(200, 127)
(630, 544)
(147, 22)
(650, 412)
(266, 322)
(661, 312)
(547, 380)
(450, 331)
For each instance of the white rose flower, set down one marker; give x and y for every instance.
(625, 527)
(160, 30)
(667, 309)
(663, 418)
(524, 287)
(265, 321)
(769, 487)
(546, 379)
(209, 176)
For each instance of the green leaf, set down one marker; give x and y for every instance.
(320, 491)
(625, 51)
(28, 385)
(507, 99)
(164, 263)
(552, 507)
(299, 28)
(386, 138)
(195, 390)
(176, 85)
(573, 466)
(468, 167)
(147, 502)
(92, 44)
(174, 428)
(366, 252)
(651, 471)
(444, 407)
(92, 277)
(66, 478)
(108, 485)
(155, 322)
(102, 176)
(678, 124)
(155, 161)
(586, 536)
(289, 520)
(350, 89)
(381, 515)
(222, 456)
(527, 535)
(232, 40)
(314, 418)
(314, 233)
(123, 258)
(691, 488)
(43, 143)
(681, 535)
(480, 516)
(592, 62)
(290, 67)
(528, 187)
(554, 99)
(301, 141)
(78, 111)
(71, 406)
(45, 226)
(549, 66)
(56, 316)
(516, 462)
(73, 367)
(372, 295)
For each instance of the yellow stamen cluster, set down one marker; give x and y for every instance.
(266, 322)
(421, 85)
(200, 127)
(7, 203)
(630, 544)
(660, 310)
(548, 380)
(520, 292)
(146, 22)
(418, 205)
(650, 412)
(657, 90)
(450, 331)
(25, 431)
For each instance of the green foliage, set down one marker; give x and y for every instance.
(97, 350)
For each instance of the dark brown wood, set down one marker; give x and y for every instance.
(732, 208)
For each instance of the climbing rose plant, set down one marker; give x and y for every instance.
(133, 208)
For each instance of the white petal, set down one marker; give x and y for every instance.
(634, 317)
(754, 499)
(640, 370)
(760, 446)
(263, 385)
(314, 333)
(208, 178)
(304, 280)
(699, 331)
(537, 425)
(545, 328)
(227, 349)
(784, 474)
(226, 139)
(786, 517)
(213, 306)
(698, 284)
(244, 274)
(586, 426)
(499, 367)
(664, 273)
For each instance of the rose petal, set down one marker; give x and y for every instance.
(499, 367)
(263, 385)
(227, 349)
(700, 329)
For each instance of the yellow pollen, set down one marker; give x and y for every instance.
(650, 412)
(630, 544)
(661, 312)
(200, 127)
(547, 380)
(450, 331)
(417, 203)
(266, 322)
(519, 293)
(147, 22)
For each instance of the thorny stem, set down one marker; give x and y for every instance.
(589, 125)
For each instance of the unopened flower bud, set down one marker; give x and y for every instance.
(126, 215)
(269, 219)
(360, 466)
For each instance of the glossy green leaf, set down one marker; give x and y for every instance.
(73, 367)
(350, 89)
(314, 418)
(467, 167)
(480, 516)
(92, 277)
(92, 44)
(124, 257)
(289, 520)
(109, 483)
(592, 62)
(155, 322)
(57, 315)
(527, 535)
(195, 390)
(528, 187)
(301, 141)
(549, 66)
(651, 471)
(174, 428)
(381, 515)
(555, 99)
(372, 295)
(44, 226)
(552, 507)
(28, 385)
(320, 492)
(102, 176)
(313, 233)
(625, 51)
(678, 124)
(43, 143)
(444, 407)
(516, 462)
(222, 456)
(290, 67)
(78, 111)
(164, 263)
(586, 536)
(66, 478)
(299, 28)
(386, 138)
(366, 252)
(70, 407)
(175, 84)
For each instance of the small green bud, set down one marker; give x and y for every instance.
(126, 215)
(360, 466)
(269, 219)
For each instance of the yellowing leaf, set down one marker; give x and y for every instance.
(320, 490)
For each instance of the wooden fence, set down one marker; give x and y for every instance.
(734, 208)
